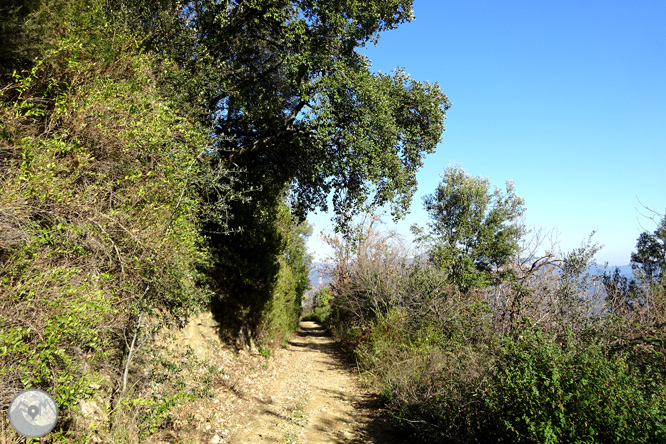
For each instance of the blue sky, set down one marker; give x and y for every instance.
(566, 98)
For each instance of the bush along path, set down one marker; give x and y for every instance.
(314, 398)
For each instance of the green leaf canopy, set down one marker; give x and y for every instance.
(289, 98)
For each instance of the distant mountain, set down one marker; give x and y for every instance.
(625, 270)
(319, 280)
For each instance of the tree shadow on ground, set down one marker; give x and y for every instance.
(378, 429)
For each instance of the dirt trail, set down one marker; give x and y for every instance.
(314, 399)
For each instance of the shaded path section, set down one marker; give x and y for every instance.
(317, 399)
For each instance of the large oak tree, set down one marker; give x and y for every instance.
(292, 100)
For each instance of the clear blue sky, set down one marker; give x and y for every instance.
(565, 98)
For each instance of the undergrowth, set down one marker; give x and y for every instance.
(456, 366)
(98, 218)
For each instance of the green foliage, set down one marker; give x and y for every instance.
(283, 309)
(262, 268)
(177, 376)
(428, 355)
(290, 98)
(155, 412)
(473, 231)
(573, 284)
(58, 351)
(16, 43)
(107, 175)
(573, 391)
(100, 211)
(321, 308)
(644, 293)
(292, 106)
(293, 109)
(622, 293)
(649, 259)
(430, 380)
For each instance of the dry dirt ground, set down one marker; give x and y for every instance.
(306, 393)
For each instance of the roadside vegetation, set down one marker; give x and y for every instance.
(95, 256)
(476, 338)
(158, 158)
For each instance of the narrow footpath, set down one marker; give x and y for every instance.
(306, 393)
(315, 399)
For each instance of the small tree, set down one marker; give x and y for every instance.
(649, 260)
(474, 231)
(649, 265)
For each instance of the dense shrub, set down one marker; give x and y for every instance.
(99, 218)
(430, 380)
(572, 391)
(261, 269)
(455, 367)
(283, 309)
